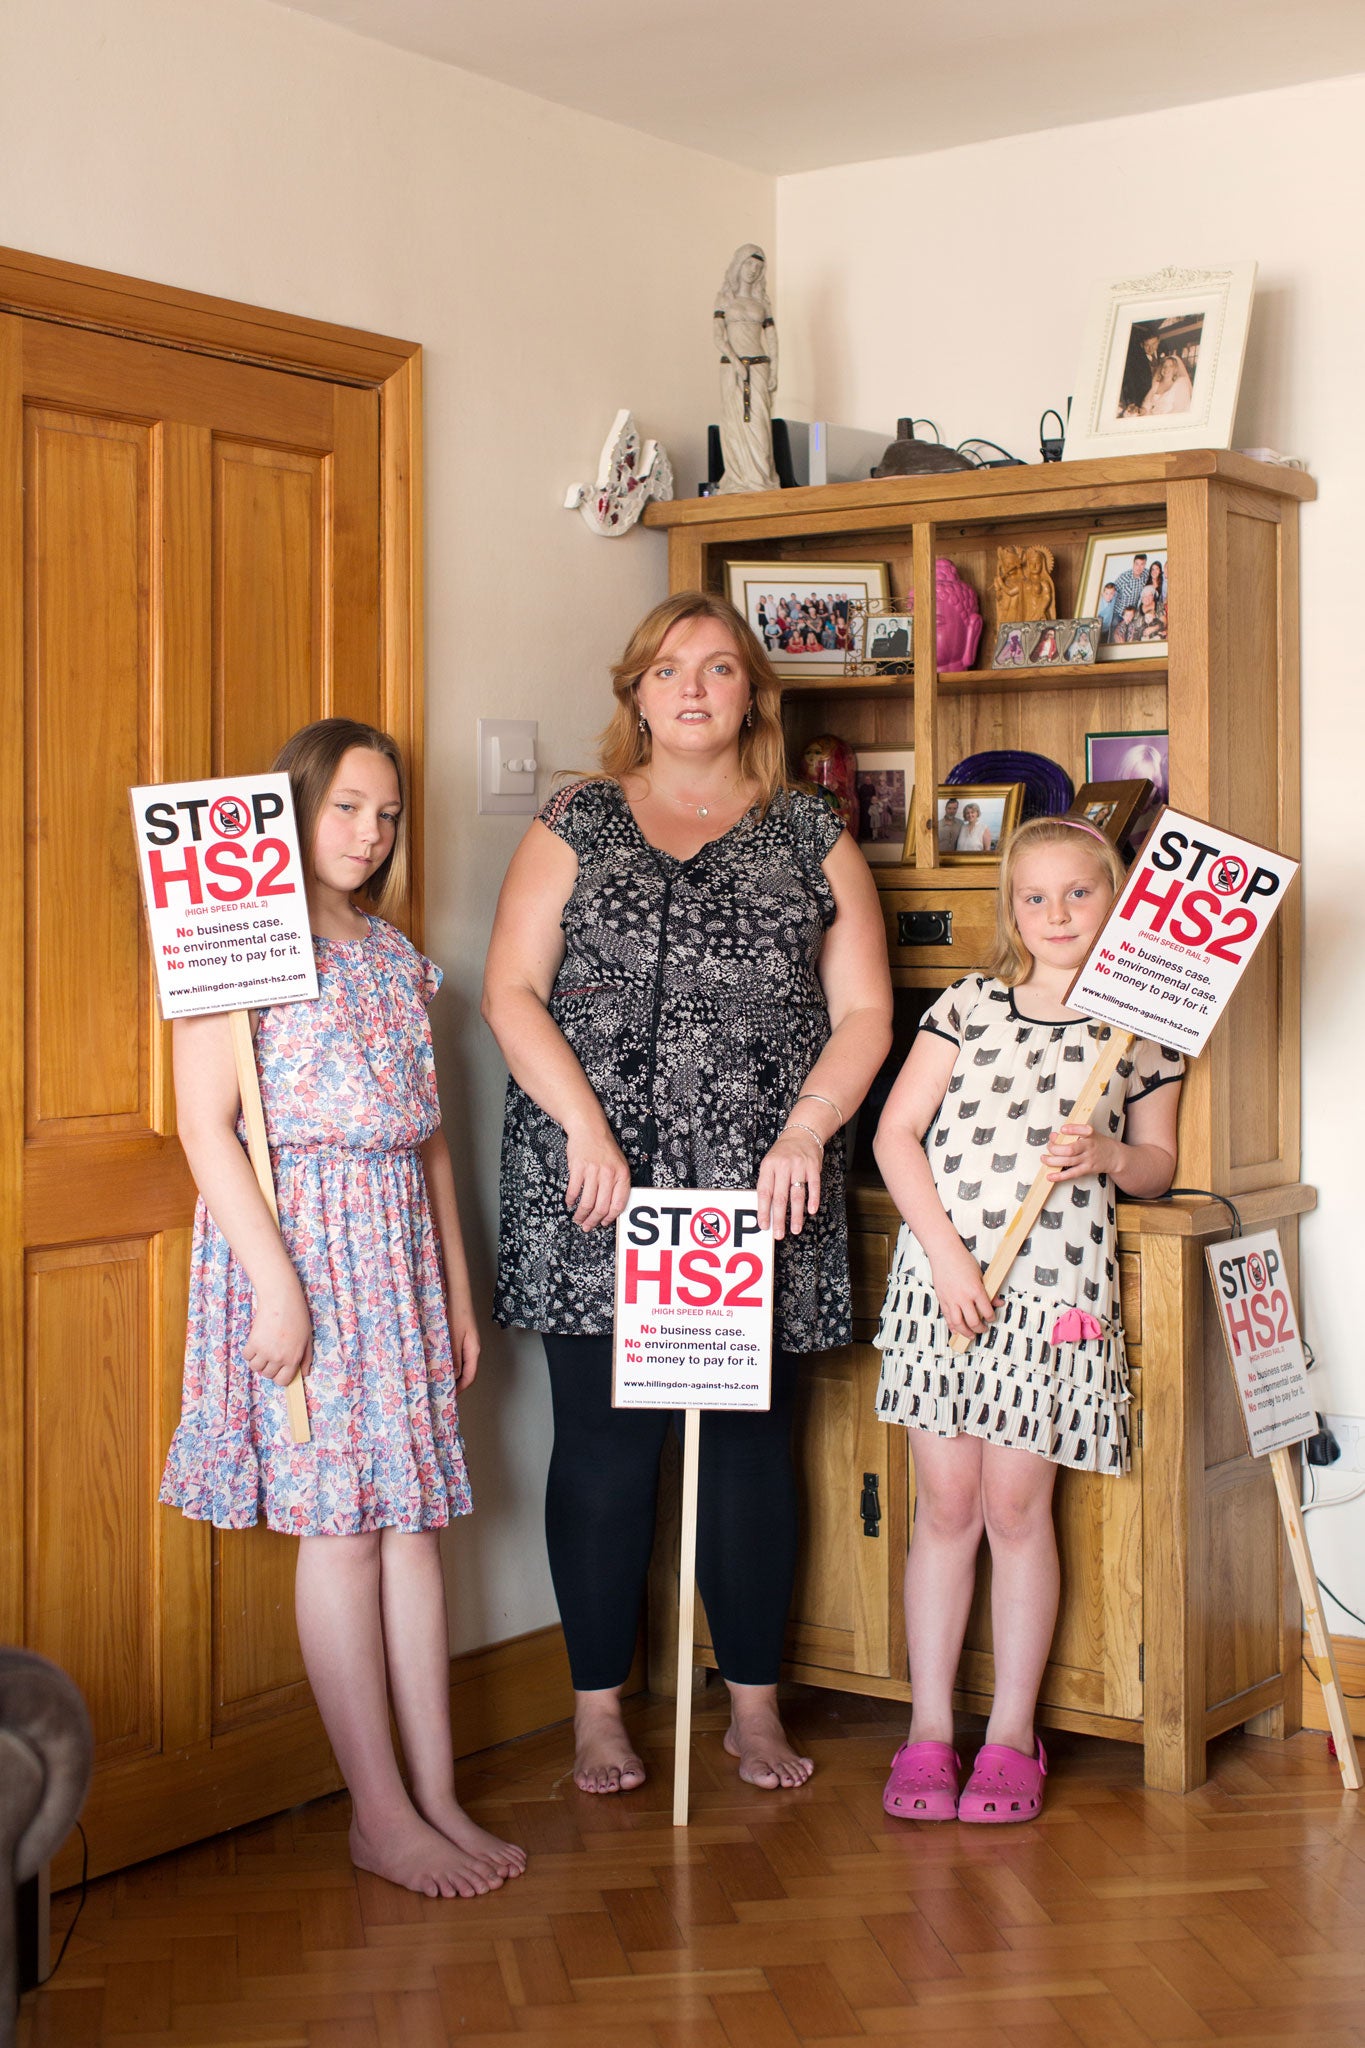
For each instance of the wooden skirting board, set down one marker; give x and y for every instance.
(1350, 1655)
(496, 1695)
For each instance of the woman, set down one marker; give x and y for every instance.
(975, 836)
(688, 979)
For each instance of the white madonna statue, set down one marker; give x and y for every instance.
(746, 340)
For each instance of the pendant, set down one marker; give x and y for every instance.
(702, 811)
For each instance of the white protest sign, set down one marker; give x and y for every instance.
(1193, 910)
(222, 883)
(1256, 1311)
(694, 1301)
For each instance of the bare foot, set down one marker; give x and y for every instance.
(422, 1859)
(447, 1815)
(757, 1738)
(604, 1757)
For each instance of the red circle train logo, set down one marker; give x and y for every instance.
(230, 817)
(1256, 1272)
(710, 1227)
(1228, 874)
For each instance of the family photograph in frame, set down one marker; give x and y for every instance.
(1125, 584)
(806, 613)
(1111, 807)
(973, 820)
(1161, 362)
(885, 780)
(1132, 757)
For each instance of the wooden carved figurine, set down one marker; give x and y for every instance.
(1038, 589)
(1009, 587)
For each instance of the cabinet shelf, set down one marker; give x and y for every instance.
(1098, 675)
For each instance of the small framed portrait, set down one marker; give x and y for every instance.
(1161, 362)
(975, 820)
(1113, 757)
(885, 777)
(888, 637)
(804, 612)
(1112, 807)
(1125, 584)
(1079, 640)
(1011, 646)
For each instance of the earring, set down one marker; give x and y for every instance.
(640, 717)
(749, 715)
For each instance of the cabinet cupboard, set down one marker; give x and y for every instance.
(1178, 1615)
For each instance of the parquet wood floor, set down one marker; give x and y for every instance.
(1123, 1917)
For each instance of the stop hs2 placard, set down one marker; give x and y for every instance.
(694, 1301)
(1196, 904)
(1261, 1333)
(222, 884)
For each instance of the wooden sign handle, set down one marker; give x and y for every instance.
(1338, 1716)
(1031, 1208)
(258, 1149)
(687, 1609)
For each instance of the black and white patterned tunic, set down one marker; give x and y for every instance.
(689, 993)
(1015, 1081)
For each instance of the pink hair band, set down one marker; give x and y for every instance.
(1080, 825)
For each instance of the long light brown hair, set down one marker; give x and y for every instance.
(762, 744)
(1010, 959)
(310, 758)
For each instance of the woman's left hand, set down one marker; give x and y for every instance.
(1076, 1151)
(464, 1345)
(789, 1182)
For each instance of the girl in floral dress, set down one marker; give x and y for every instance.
(364, 1287)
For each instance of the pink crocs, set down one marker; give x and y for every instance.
(1005, 1786)
(923, 1782)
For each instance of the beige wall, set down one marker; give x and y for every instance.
(554, 267)
(955, 285)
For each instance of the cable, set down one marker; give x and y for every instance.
(1317, 1681)
(1211, 1195)
(1335, 1500)
(1341, 1603)
(80, 1905)
(1002, 458)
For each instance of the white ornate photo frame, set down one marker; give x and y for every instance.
(1221, 298)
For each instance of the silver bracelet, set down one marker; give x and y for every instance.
(809, 1095)
(794, 1123)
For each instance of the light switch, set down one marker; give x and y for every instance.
(507, 765)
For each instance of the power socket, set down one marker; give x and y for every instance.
(1349, 1431)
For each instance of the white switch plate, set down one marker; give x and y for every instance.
(504, 788)
(1349, 1431)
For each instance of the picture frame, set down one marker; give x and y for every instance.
(999, 806)
(1111, 807)
(888, 641)
(1161, 361)
(885, 782)
(824, 594)
(1128, 756)
(1119, 567)
(1046, 643)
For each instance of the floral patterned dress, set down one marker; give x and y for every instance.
(348, 1085)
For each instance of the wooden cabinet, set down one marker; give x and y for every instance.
(1178, 1618)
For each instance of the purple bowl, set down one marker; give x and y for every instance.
(1048, 789)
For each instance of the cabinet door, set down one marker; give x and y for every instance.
(846, 1610)
(1095, 1664)
(194, 551)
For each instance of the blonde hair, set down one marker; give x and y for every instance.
(1010, 959)
(624, 746)
(310, 758)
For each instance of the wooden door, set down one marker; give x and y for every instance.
(193, 546)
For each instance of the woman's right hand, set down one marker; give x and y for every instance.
(962, 1298)
(280, 1343)
(599, 1178)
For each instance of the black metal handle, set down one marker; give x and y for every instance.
(870, 1505)
(924, 927)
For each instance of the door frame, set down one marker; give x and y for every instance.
(72, 295)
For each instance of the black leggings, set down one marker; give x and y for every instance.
(599, 1519)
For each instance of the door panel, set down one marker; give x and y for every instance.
(194, 546)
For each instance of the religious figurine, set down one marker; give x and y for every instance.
(628, 475)
(1039, 590)
(832, 765)
(1008, 587)
(957, 617)
(746, 340)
